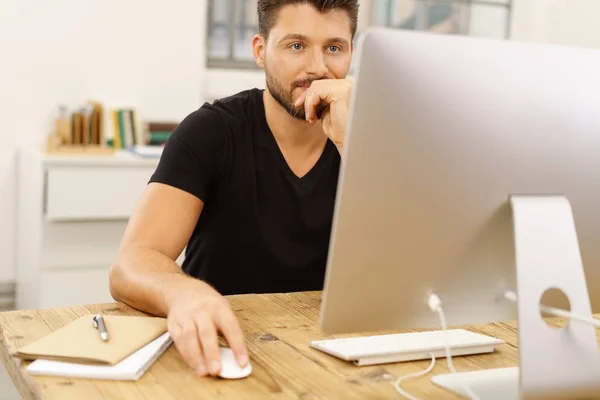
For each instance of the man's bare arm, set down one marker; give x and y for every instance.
(146, 276)
(145, 271)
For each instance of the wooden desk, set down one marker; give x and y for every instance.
(278, 330)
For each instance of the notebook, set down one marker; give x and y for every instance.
(79, 341)
(131, 368)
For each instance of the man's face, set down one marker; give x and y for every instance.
(305, 45)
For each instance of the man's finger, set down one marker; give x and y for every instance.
(300, 100)
(186, 341)
(228, 324)
(313, 100)
(209, 340)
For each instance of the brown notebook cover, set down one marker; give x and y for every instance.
(80, 342)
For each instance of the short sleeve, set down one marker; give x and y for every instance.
(193, 155)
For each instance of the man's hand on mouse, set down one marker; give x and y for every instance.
(196, 315)
(334, 96)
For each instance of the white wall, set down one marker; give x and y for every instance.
(568, 22)
(144, 53)
(225, 82)
(150, 54)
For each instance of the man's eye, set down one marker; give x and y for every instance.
(333, 49)
(297, 46)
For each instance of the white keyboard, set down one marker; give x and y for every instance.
(380, 349)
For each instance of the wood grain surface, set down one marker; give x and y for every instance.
(278, 328)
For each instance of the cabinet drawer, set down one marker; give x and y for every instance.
(88, 193)
(68, 288)
(80, 244)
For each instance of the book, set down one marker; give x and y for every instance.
(158, 132)
(131, 368)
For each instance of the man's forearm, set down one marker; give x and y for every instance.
(145, 279)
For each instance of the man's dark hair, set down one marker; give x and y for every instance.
(268, 10)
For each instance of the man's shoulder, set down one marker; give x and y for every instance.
(238, 106)
(244, 98)
(220, 121)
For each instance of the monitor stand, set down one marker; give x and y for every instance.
(555, 363)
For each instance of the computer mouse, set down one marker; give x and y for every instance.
(230, 369)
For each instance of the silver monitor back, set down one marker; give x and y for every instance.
(443, 129)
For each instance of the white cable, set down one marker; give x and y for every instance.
(558, 312)
(412, 376)
(435, 304)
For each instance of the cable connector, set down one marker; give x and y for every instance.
(434, 302)
(511, 296)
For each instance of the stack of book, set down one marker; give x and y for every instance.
(158, 132)
(126, 129)
(94, 128)
(80, 129)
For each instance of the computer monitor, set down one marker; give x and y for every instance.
(443, 130)
(471, 167)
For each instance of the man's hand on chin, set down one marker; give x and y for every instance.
(334, 95)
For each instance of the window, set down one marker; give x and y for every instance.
(231, 26)
(487, 18)
(233, 23)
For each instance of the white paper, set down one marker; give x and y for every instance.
(130, 368)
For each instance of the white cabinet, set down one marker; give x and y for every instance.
(72, 212)
(103, 192)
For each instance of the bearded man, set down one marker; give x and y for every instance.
(248, 184)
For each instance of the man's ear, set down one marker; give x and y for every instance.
(258, 48)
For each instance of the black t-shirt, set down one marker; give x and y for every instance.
(263, 229)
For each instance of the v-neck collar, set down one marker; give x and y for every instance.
(274, 146)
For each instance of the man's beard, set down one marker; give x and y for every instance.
(285, 99)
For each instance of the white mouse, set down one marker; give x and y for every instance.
(230, 369)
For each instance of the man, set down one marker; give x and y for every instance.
(248, 184)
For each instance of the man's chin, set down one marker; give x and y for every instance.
(300, 113)
(297, 113)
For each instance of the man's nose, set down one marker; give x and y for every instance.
(317, 66)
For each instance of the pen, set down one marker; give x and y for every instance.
(98, 322)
